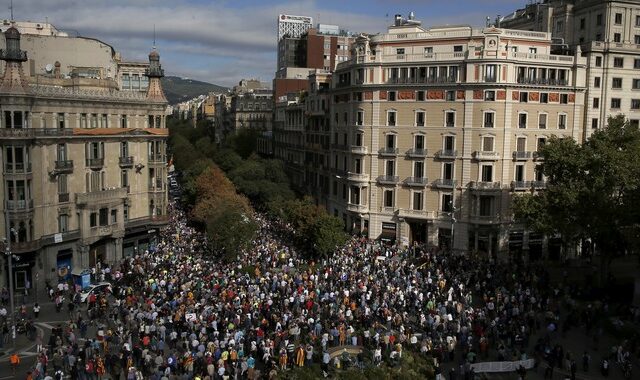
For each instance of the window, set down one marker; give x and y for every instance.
(524, 97)
(391, 96)
(542, 121)
(636, 39)
(596, 103)
(489, 96)
(358, 140)
(124, 179)
(60, 119)
(522, 120)
(487, 144)
(634, 123)
(63, 223)
(615, 103)
(418, 142)
(83, 120)
(596, 82)
(635, 84)
(599, 20)
(521, 144)
(618, 62)
(486, 205)
(490, 73)
(93, 219)
(583, 23)
(447, 171)
(489, 118)
(390, 168)
(616, 83)
(450, 119)
(564, 98)
(618, 19)
(62, 184)
(123, 121)
(400, 51)
(417, 200)
(357, 166)
(544, 97)
(420, 96)
(390, 141)
(420, 118)
(598, 61)
(103, 216)
(617, 37)
(114, 216)
(562, 121)
(594, 123)
(391, 118)
(542, 141)
(418, 169)
(539, 174)
(559, 26)
(449, 143)
(428, 50)
(636, 63)
(388, 198)
(447, 203)
(451, 96)
(635, 104)
(457, 48)
(637, 20)
(598, 37)
(519, 173)
(486, 173)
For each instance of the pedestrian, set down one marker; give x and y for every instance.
(36, 310)
(14, 361)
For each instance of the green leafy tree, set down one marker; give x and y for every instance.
(230, 229)
(327, 233)
(592, 190)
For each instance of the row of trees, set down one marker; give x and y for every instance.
(212, 179)
(593, 191)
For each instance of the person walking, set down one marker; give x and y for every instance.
(14, 361)
(36, 310)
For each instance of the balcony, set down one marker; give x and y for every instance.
(521, 155)
(444, 183)
(147, 221)
(543, 81)
(484, 219)
(17, 168)
(422, 80)
(357, 208)
(126, 162)
(357, 149)
(64, 166)
(22, 133)
(417, 153)
(481, 185)
(156, 159)
(388, 151)
(539, 184)
(447, 154)
(63, 197)
(388, 179)
(95, 163)
(520, 185)
(100, 197)
(538, 156)
(416, 214)
(339, 147)
(19, 205)
(481, 155)
(416, 181)
(25, 246)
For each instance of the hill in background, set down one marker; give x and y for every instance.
(179, 89)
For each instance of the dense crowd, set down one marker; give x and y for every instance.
(176, 312)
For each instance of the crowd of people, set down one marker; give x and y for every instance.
(178, 312)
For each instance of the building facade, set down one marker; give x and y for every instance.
(84, 164)
(433, 130)
(607, 33)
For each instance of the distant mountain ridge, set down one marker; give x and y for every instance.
(179, 89)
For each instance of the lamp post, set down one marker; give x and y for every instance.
(453, 222)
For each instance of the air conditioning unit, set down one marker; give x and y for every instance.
(38, 26)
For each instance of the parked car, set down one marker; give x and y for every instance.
(101, 287)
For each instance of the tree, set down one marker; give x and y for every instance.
(230, 229)
(327, 233)
(592, 190)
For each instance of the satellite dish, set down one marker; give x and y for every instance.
(49, 68)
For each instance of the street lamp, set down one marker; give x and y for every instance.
(453, 221)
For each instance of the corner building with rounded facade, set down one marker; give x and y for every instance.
(434, 130)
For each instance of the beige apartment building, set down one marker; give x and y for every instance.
(607, 32)
(433, 131)
(83, 159)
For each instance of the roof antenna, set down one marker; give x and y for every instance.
(154, 35)
(11, 8)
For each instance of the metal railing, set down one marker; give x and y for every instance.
(126, 161)
(482, 155)
(521, 155)
(520, 185)
(95, 162)
(447, 153)
(35, 132)
(481, 185)
(101, 196)
(388, 179)
(17, 167)
(64, 165)
(543, 81)
(444, 183)
(19, 205)
(417, 152)
(423, 80)
(416, 181)
(63, 197)
(388, 151)
(358, 149)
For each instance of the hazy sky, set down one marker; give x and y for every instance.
(222, 41)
